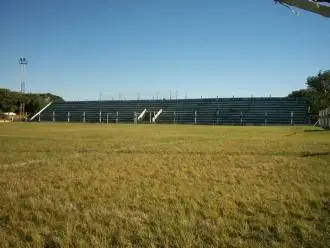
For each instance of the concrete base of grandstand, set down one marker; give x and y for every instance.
(208, 111)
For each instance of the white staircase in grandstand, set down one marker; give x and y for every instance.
(32, 118)
(156, 115)
(140, 117)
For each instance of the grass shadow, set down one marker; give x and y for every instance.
(314, 154)
(318, 130)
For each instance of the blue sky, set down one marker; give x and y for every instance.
(79, 49)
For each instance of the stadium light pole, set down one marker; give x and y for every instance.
(23, 64)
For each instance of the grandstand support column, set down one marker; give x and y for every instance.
(195, 119)
(291, 117)
(100, 117)
(321, 114)
(68, 116)
(53, 116)
(266, 119)
(174, 117)
(117, 117)
(107, 118)
(84, 117)
(39, 119)
(150, 113)
(327, 117)
(241, 118)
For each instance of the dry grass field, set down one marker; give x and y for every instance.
(84, 185)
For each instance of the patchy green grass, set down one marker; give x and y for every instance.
(82, 185)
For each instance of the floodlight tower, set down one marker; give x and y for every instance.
(23, 63)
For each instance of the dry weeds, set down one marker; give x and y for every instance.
(81, 185)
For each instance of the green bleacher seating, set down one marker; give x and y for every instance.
(216, 111)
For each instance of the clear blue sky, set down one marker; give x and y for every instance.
(79, 48)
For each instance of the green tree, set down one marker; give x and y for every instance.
(10, 101)
(317, 91)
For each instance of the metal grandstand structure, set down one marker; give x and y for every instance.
(207, 111)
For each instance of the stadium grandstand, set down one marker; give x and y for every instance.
(207, 111)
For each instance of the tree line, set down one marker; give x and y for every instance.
(10, 101)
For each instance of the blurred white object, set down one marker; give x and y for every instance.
(314, 6)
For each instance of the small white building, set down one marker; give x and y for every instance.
(9, 114)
